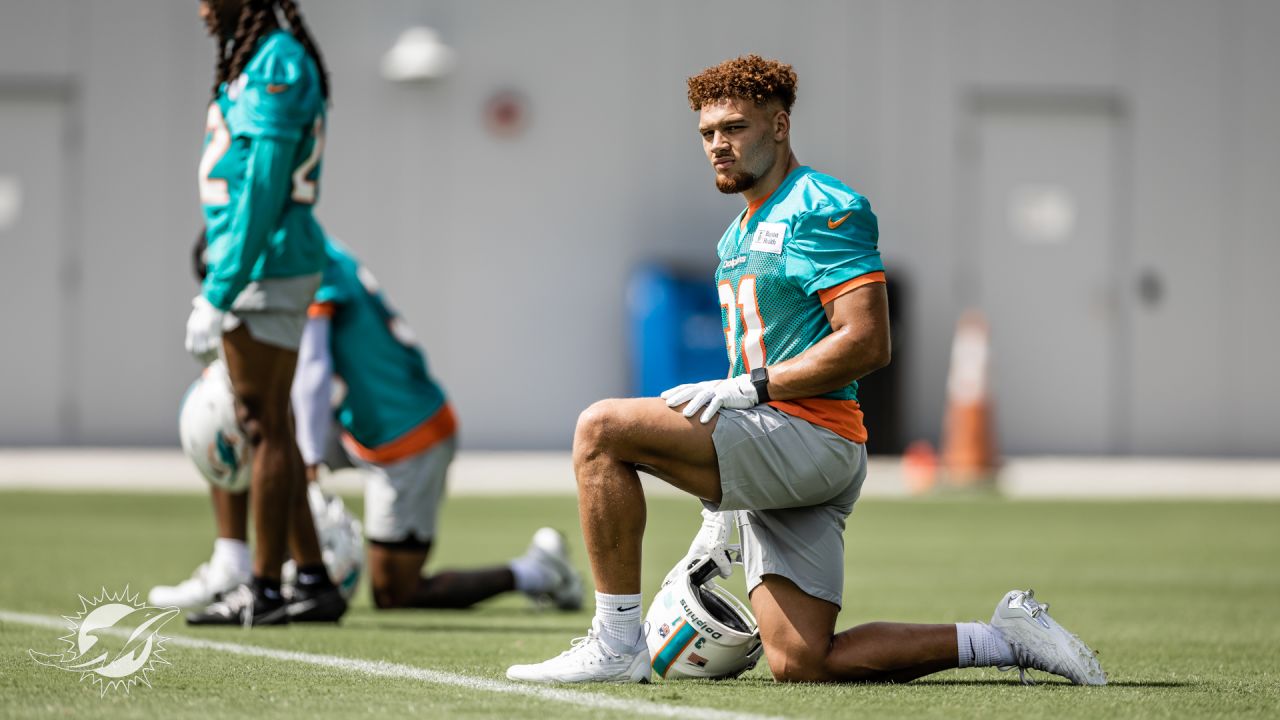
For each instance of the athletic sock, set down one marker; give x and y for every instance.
(267, 589)
(980, 645)
(314, 576)
(531, 576)
(233, 554)
(619, 620)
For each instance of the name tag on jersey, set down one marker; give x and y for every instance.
(768, 237)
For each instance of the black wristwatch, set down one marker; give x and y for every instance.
(760, 378)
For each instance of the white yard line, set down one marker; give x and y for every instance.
(582, 699)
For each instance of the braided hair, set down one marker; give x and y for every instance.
(298, 27)
(257, 18)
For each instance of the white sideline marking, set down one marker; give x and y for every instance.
(589, 700)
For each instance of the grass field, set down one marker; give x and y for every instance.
(1180, 599)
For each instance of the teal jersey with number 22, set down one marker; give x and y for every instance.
(260, 172)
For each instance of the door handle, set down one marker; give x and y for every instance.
(1150, 288)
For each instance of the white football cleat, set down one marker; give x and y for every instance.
(206, 585)
(590, 659)
(1040, 643)
(550, 551)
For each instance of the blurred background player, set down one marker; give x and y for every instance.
(258, 180)
(399, 429)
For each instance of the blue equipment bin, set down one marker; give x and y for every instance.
(677, 335)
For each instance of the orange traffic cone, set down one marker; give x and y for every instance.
(968, 433)
(919, 467)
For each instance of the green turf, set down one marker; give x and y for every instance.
(1179, 598)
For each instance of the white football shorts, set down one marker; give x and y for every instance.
(274, 309)
(402, 499)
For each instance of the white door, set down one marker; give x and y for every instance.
(1045, 270)
(33, 407)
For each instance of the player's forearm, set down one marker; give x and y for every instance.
(257, 216)
(837, 360)
(311, 415)
(312, 388)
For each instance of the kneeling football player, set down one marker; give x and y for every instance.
(398, 427)
(781, 440)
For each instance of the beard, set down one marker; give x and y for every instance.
(736, 182)
(754, 162)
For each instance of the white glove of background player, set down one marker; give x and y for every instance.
(204, 330)
(736, 392)
(712, 539)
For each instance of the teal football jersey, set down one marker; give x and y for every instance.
(260, 172)
(391, 397)
(780, 261)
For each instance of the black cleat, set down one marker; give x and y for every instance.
(242, 606)
(314, 603)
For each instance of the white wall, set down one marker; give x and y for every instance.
(509, 255)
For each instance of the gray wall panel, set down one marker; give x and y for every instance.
(1250, 234)
(37, 37)
(509, 255)
(1177, 214)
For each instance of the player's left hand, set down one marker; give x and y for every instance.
(204, 330)
(712, 540)
(735, 392)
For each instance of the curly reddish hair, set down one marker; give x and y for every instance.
(749, 77)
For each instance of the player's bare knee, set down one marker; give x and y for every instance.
(385, 599)
(263, 423)
(251, 421)
(798, 666)
(802, 673)
(595, 427)
(390, 591)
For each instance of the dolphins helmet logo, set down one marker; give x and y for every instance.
(114, 642)
(223, 456)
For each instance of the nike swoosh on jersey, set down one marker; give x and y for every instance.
(276, 89)
(833, 224)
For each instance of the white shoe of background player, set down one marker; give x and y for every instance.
(1040, 643)
(590, 659)
(550, 551)
(206, 584)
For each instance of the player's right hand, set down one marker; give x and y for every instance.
(204, 330)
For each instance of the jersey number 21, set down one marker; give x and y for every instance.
(746, 306)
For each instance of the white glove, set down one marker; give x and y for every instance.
(204, 330)
(682, 393)
(736, 392)
(712, 539)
